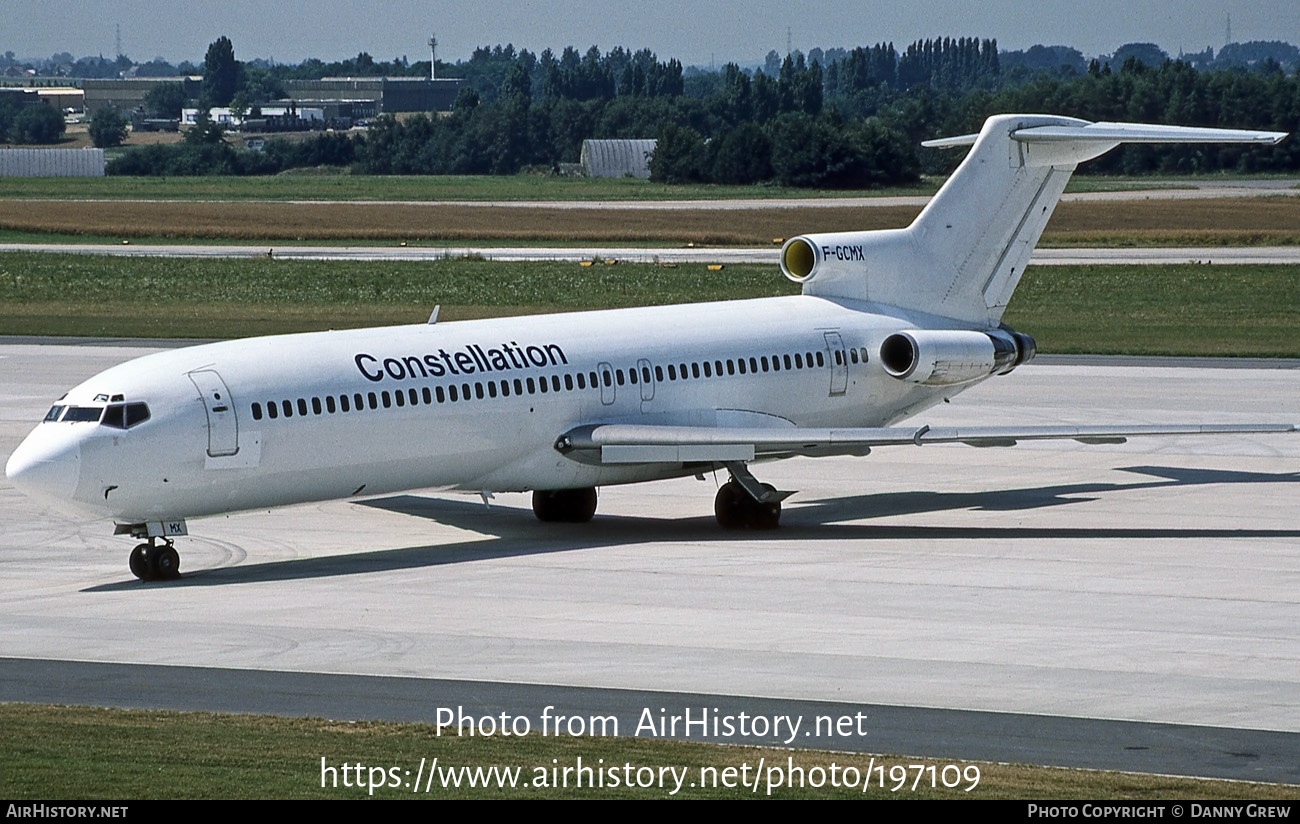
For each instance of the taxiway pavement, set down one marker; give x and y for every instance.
(1145, 594)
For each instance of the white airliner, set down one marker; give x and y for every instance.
(889, 323)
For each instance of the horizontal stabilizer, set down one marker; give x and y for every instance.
(1143, 133)
(1120, 133)
(965, 253)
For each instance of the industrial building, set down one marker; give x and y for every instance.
(390, 94)
(617, 158)
(127, 94)
(340, 98)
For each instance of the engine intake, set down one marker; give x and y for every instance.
(942, 357)
(798, 259)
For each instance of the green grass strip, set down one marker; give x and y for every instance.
(1185, 309)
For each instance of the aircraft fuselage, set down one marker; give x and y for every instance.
(474, 405)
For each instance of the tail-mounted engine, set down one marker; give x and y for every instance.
(942, 357)
(839, 253)
(799, 259)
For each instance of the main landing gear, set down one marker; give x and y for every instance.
(571, 506)
(150, 562)
(744, 503)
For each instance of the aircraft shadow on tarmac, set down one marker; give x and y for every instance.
(514, 532)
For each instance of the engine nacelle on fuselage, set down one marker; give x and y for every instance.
(807, 256)
(945, 357)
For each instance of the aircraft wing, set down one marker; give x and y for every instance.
(641, 443)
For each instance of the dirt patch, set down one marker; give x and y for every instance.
(1247, 220)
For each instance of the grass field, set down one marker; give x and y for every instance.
(86, 753)
(1228, 221)
(1154, 310)
(327, 184)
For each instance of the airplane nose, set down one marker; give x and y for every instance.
(45, 466)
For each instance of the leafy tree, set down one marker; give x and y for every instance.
(466, 98)
(1258, 51)
(37, 124)
(220, 72)
(680, 156)
(744, 155)
(156, 68)
(516, 87)
(204, 132)
(165, 100)
(1148, 54)
(772, 63)
(239, 107)
(107, 128)
(259, 85)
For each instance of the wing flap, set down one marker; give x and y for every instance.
(641, 443)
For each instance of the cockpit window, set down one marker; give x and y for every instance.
(126, 415)
(83, 414)
(54, 413)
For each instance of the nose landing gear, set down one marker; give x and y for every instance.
(150, 562)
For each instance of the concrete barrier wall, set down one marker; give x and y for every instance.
(51, 162)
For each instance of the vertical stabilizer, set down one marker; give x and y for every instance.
(975, 236)
(964, 254)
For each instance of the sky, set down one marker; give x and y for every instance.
(697, 33)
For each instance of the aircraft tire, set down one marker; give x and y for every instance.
(729, 507)
(139, 562)
(165, 563)
(734, 509)
(573, 506)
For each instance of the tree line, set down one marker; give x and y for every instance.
(854, 121)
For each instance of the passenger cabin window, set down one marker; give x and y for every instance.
(122, 415)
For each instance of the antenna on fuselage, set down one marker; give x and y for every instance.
(434, 317)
